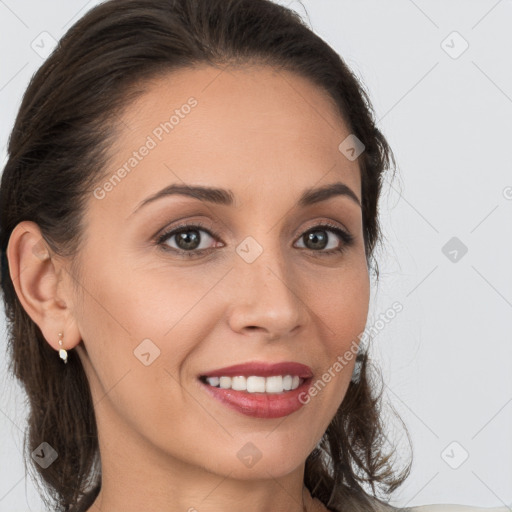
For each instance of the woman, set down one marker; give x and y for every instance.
(189, 213)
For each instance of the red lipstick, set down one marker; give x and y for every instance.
(261, 405)
(263, 369)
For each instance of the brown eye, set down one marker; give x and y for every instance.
(326, 239)
(316, 239)
(188, 240)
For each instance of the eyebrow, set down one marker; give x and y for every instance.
(226, 197)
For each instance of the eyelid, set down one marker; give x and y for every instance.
(325, 222)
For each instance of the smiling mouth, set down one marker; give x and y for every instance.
(255, 383)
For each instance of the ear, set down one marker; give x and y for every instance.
(37, 275)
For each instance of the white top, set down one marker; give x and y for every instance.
(459, 508)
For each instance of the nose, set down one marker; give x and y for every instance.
(266, 299)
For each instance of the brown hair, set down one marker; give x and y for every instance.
(57, 151)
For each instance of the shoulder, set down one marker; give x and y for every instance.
(456, 508)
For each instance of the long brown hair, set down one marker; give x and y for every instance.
(57, 152)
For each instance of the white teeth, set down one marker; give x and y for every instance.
(255, 384)
(213, 381)
(238, 383)
(225, 382)
(287, 382)
(274, 384)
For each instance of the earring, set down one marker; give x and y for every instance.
(62, 352)
(356, 375)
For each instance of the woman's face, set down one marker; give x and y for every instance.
(256, 281)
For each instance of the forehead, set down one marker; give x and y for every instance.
(260, 132)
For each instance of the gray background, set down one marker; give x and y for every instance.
(447, 114)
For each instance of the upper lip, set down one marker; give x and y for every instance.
(263, 369)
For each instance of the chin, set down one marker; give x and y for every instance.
(259, 459)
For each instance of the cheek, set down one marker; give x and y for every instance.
(339, 308)
(131, 310)
(340, 299)
(133, 362)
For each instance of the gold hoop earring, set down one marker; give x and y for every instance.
(62, 352)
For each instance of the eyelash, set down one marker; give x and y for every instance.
(346, 238)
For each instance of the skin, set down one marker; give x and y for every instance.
(165, 444)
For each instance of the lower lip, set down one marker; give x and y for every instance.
(260, 405)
